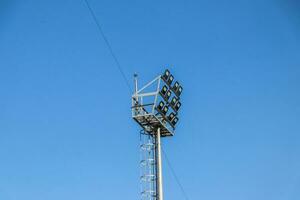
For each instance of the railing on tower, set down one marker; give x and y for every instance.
(148, 166)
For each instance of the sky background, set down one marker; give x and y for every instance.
(65, 125)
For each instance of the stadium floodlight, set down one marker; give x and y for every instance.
(164, 90)
(168, 95)
(162, 109)
(153, 110)
(170, 80)
(171, 116)
(166, 75)
(177, 106)
(160, 106)
(174, 121)
(165, 110)
(174, 102)
(165, 93)
(175, 86)
(177, 89)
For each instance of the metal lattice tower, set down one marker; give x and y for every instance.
(150, 109)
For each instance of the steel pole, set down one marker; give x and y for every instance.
(159, 183)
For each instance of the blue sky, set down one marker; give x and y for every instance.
(65, 126)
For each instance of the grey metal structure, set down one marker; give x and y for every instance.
(155, 123)
(148, 167)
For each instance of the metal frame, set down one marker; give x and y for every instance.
(145, 114)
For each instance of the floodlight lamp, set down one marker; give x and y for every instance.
(165, 93)
(174, 121)
(177, 106)
(160, 106)
(166, 75)
(171, 116)
(173, 101)
(165, 110)
(170, 80)
(179, 91)
(176, 86)
(168, 95)
(164, 90)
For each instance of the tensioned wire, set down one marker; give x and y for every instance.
(108, 45)
(129, 87)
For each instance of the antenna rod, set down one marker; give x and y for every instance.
(135, 83)
(136, 99)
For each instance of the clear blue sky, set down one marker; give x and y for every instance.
(65, 126)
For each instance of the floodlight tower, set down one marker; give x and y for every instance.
(155, 108)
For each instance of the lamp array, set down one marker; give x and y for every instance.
(166, 92)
